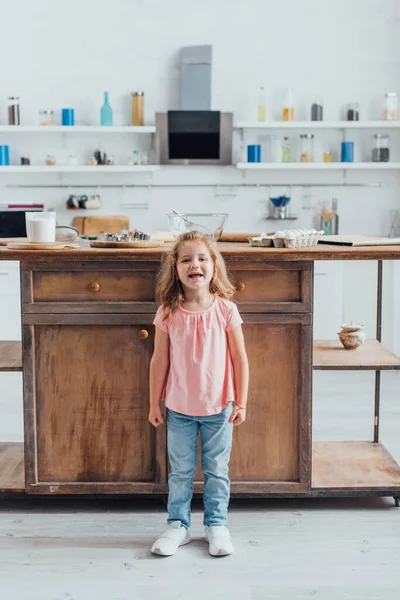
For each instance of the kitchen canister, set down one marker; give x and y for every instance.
(4, 156)
(67, 116)
(254, 153)
(347, 152)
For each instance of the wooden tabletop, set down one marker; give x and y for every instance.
(229, 250)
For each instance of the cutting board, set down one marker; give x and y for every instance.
(358, 240)
(40, 246)
(100, 224)
(138, 244)
(6, 241)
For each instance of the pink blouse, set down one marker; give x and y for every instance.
(200, 378)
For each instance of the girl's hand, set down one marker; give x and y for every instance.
(238, 415)
(155, 416)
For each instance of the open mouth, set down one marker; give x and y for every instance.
(195, 275)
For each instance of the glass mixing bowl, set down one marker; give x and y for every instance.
(211, 224)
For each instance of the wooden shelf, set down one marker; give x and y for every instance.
(10, 356)
(12, 472)
(371, 355)
(353, 466)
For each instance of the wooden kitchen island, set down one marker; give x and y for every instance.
(87, 342)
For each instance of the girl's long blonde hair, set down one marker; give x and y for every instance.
(169, 290)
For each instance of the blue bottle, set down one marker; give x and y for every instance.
(106, 113)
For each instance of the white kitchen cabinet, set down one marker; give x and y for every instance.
(9, 278)
(10, 317)
(10, 302)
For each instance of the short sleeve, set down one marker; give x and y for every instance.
(233, 318)
(158, 320)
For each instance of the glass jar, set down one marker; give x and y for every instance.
(380, 148)
(288, 108)
(306, 147)
(261, 105)
(286, 154)
(391, 107)
(327, 157)
(13, 110)
(317, 110)
(353, 112)
(46, 117)
(138, 109)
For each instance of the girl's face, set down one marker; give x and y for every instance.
(195, 265)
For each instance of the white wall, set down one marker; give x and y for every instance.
(60, 54)
(65, 54)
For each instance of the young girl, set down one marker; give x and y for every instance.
(199, 367)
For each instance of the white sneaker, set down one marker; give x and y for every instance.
(174, 536)
(219, 540)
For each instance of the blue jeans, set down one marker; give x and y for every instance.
(216, 443)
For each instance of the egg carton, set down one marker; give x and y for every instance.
(288, 238)
(296, 238)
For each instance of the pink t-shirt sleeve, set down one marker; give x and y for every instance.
(233, 318)
(158, 320)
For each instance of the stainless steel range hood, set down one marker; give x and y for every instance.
(195, 134)
(195, 78)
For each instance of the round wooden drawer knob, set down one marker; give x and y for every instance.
(240, 287)
(94, 286)
(143, 334)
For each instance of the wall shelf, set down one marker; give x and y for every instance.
(297, 125)
(79, 169)
(75, 129)
(317, 166)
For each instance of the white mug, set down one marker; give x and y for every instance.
(41, 227)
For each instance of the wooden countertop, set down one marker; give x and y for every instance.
(237, 251)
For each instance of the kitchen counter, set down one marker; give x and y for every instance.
(88, 338)
(235, 251)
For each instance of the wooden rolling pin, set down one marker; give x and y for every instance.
(237, 237)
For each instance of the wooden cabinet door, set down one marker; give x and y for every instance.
(271, 450)
(87, 403)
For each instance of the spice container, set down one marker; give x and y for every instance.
(317, 111)
(353, 112)
(306, 147)
(286, 156)
(327, 157)
(380, 148)
(288, 108)
(391, 107)
(138, 108)
(46, 117)
(347, 152)
(13, 110)
(50, 160)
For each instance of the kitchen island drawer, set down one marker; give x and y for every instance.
(263, 287)
(82, 290)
